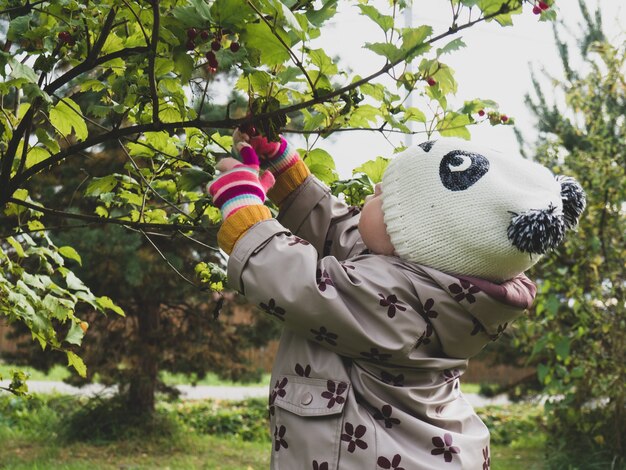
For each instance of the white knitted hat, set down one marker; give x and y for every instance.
(469, 210)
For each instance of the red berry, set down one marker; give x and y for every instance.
(504, 118)
(190, 45)
(204, 35)
(234, 46)
(211, 59)
(192, 33)
(216, 45)
(65, 37)
(543, 5)
(536, 10)
(431, 81)
(481, 112)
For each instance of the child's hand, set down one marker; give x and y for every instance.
(240, 185)
(274, 156)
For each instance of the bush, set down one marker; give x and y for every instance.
(247, 420)
(519, 425)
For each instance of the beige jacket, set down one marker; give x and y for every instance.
(368, 368)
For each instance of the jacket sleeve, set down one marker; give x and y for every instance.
(312, 213)
(361, 308)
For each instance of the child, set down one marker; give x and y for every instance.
(383, 308)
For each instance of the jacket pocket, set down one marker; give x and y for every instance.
(308, 422)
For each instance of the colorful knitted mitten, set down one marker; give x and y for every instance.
(239, 193)
(281, 159)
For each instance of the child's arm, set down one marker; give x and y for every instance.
(307, 207)
(362, 308)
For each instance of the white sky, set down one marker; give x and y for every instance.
(494, 65)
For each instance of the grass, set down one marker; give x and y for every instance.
(195, 452)
(34, 436)
(58, 373)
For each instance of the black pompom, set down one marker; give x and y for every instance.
(426, 146)
(537, 231)
(574, 200)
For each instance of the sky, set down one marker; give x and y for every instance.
(496, 64)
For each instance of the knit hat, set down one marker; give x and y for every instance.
(469, 210)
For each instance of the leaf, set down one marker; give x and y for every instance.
(106, 302)
(387, 50)
(70, 253)
(453, 45)
(17, 246)
(413, 43)
(318, 17)
(230, 12)
(66, 116)
(285, 13)
(36, 155)
(374, 169)
(75, 334)
(260, 37)
(19, 70)
(73, 360)
(47, 140)
(98, 186)
(562, 348)
(192, 178)
(384, 21)
(453, 125)
(321, 165)
(202, 9)
(74, 283)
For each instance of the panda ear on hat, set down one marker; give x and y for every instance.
(539, 230)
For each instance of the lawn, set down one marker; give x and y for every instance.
(34, 435)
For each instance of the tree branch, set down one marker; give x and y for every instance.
(104, 220)
(156, 21)
(104, 34)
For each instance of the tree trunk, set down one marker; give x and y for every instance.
(143, 382)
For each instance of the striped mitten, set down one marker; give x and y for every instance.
(241, 186)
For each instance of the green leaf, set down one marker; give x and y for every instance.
(75, 334)
(260, 37)
(321, 165)
(98, 186)
(387, 50)
(74, 283)
(230, 12)
(106, 302)
(318, 17)
(47, 140)
(202, 9)
(374, 169)
(67, 115)
(453, 125)
(17, 246)
(192, 178)
(36, 155)
(70, 253)
(453, 45)
(73, 360)
(19, 70)
(384, 21)
(562, 348)
(413, 43)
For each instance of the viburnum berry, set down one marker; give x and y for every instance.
(216, 45)
(536, 10)
(234, 46)
(431, 81)
(190, 45)
(65, 37)
(83, 326)
(481, 112)
(192, 33)
(504, 118)
(211, 59)
(543, 5)
(204, 35)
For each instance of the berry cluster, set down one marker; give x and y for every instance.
(494, 117)
(540, 7)
(217, 38)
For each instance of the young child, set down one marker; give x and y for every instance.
(382, 308)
